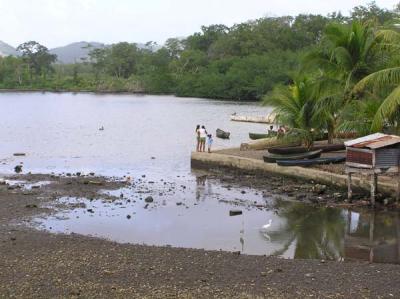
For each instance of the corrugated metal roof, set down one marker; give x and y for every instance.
(374, 141)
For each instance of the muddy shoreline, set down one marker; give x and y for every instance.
(40, 264)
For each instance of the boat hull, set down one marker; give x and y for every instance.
(299, 149)
(310, 162)
(256, 136)
(222, 134)
(272, 158)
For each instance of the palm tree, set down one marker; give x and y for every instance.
(295, 106)
(347, 54)
(386, 81)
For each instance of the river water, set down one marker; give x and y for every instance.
(149, 138)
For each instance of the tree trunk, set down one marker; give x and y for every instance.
(331, 132)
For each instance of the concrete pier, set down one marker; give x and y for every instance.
(216, 160)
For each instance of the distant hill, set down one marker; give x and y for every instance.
(7, 50)
(75, 52)
(71, 53)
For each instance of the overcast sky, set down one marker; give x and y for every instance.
(59, 22)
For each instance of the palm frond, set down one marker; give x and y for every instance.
(379, 79)
(386, 110)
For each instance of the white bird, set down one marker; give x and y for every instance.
(266, 226)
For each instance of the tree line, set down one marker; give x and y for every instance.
(243, 62)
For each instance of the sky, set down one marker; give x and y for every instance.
(56, 23)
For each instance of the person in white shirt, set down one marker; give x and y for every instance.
(197, 138)
(203, 136)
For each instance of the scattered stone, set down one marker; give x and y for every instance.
(78, 174)
(18, 168)
(19, 154)
(31, 206)
(90, 210)
(319, 189)
(91, 173)
(68, 174)
(235, 212)
(179, 203)
(243, 192)
(149, 199)
(128, 216)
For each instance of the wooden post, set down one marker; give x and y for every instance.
(371, 236)
(349, 191)
(398, 189)
(374, 181)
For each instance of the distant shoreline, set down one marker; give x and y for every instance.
(10, 90)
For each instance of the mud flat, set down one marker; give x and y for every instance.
(43, 265)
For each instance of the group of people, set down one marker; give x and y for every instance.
(202, 137)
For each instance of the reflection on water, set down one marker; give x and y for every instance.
(194, 213)
(373, 236)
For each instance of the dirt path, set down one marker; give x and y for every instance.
(43, 265)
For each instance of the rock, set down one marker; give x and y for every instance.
(149, 199)
(178, 203)
(128, 216)
(243, 192)
(153, 158)
(90, 210)
(91, 173)
(19, 154)
(68, 174)
(18, 168)
(31, 206)
(319, 189)
(235, 212)
(78, 174)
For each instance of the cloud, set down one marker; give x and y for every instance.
(58, 22)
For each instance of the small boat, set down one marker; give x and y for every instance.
(300, 149)
(222, 134)
(317, 161)
(256, 136)
(269, 119)
(272, 158)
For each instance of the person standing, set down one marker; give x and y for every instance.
(203, 136)
(209, 142)
(197, 138)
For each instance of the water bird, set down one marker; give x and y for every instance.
(266, 226)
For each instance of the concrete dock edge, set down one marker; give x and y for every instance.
(215, 160)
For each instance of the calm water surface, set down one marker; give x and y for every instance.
(60, 133)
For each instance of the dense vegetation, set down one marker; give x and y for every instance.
(332, 72)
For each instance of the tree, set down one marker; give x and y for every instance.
(372, 12)
(37, 57)
(295, 106)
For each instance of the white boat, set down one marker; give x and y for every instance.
(269, 119)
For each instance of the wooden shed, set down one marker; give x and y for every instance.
(373, 154)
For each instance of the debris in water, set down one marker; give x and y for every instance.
(149, 199)
(235, 212)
